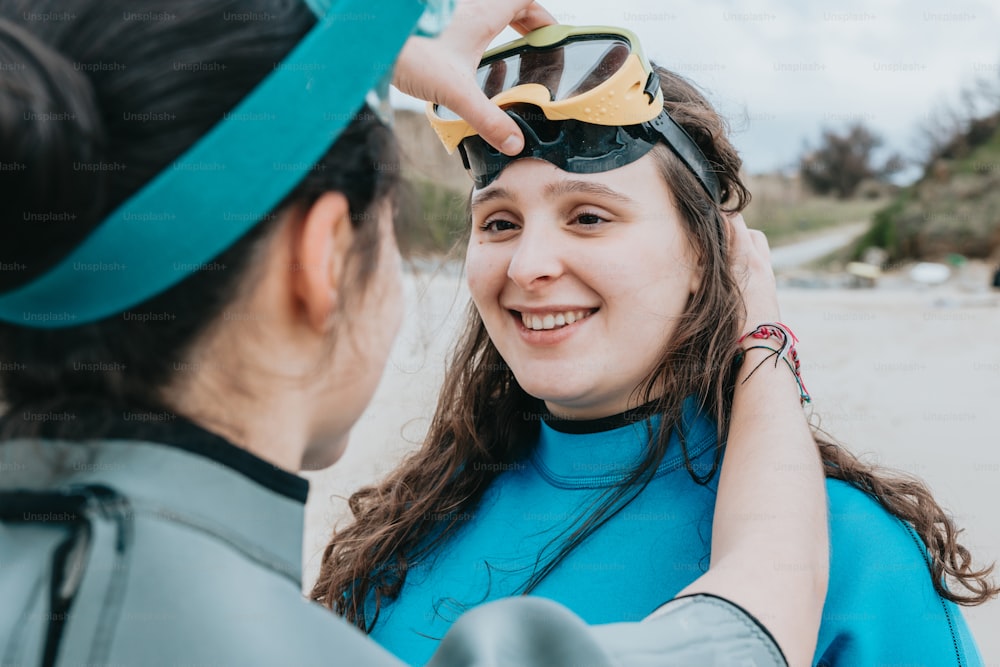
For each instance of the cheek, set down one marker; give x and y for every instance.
(651, 295)
(484, 274)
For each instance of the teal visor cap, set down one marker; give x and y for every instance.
(234, 175)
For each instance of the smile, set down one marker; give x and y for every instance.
(553, 320)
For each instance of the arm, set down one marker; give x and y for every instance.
(443, 69)
(770, 544)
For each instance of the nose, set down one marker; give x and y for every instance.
(537, 258)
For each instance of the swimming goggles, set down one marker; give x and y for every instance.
(586, 98)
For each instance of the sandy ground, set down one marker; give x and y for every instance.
(909, 376)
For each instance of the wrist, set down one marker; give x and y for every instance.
(772, 341)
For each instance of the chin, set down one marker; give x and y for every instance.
(554, 393)
(321, 455)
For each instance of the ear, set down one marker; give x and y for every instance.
(697, 269)
(320, 249)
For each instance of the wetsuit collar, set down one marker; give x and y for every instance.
(604, 452)
(154, 426)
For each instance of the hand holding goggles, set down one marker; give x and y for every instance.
(586, 98)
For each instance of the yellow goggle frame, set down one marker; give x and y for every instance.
(625, 98)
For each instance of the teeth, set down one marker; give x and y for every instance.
(552, 320)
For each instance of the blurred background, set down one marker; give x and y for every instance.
(870, 134)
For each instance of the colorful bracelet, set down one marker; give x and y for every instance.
(785, 352)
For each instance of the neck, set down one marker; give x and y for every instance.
(266, 429)
(268, 419)
(603, 410)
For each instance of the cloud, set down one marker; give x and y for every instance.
(782, 70)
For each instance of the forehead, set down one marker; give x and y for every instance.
(532, 179)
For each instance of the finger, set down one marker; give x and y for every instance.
(487, 119)
(761, 250)
(532, 17)
(744, 236)
(736, 231)
(488, 19)
(736, 220)
(759, 240)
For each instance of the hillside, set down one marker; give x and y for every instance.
(784, 208)
(953, 208)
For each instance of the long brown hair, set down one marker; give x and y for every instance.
(485, 422)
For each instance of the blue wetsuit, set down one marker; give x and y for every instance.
(881, 607)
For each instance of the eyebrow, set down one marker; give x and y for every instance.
(489, 195)
(587, 188)
(555, 190)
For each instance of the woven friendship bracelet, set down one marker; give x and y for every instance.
(786, 352)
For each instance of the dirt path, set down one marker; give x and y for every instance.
(797, 253)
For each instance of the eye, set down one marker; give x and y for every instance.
(497, 225)
(589, 219)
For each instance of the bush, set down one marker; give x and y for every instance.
(844, 161)
(882, 233)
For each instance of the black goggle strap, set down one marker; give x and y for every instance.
(606, 148)
(684, 147)
(652, 86)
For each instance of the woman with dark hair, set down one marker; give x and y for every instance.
(199, 292)
(579, 433)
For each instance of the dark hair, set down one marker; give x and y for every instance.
(94, 103)
(483, 421)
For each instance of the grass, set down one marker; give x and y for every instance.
(984, 159)
(785, 221)
(883, 233)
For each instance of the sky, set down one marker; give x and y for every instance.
(781, 71)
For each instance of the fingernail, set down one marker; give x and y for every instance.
(512, 145)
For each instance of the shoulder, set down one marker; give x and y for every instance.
(854, 511)
(881, 602)
(870, 543)
(217, 601)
